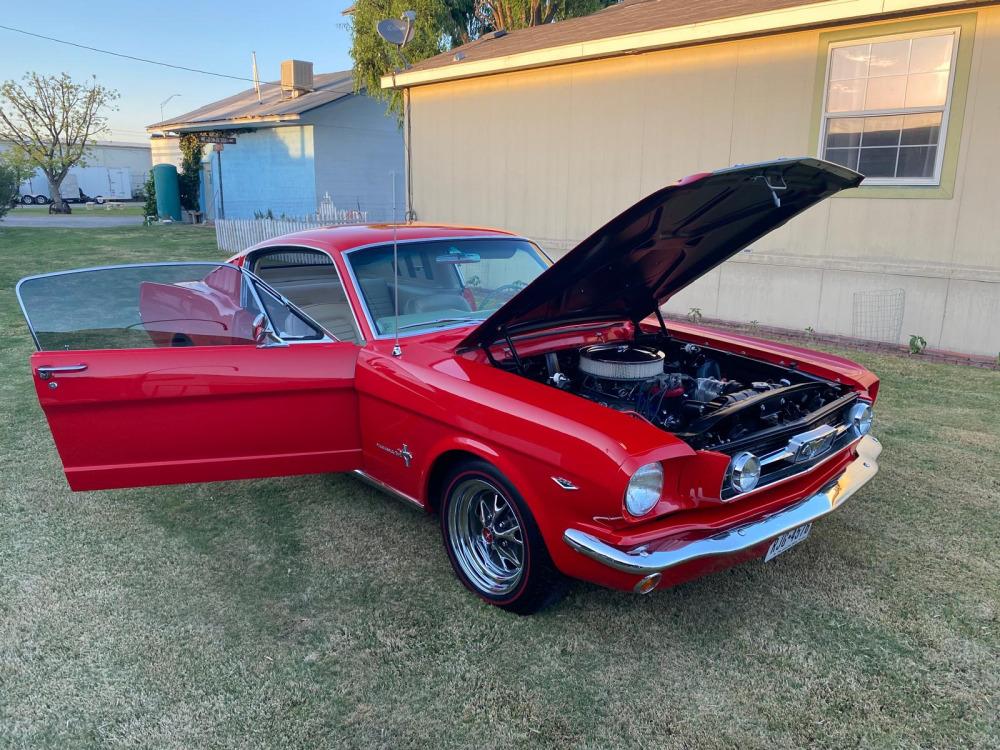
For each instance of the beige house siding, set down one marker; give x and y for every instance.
(553, 153)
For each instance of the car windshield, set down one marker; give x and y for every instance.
(443, 283)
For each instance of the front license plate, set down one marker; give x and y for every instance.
(787, 540)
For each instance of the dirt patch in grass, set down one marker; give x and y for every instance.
(315, 612)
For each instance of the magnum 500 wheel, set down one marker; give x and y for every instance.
(493, 542)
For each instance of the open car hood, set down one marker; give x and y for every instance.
(649, 252)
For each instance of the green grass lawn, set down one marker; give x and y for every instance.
(313, 612)
(130, 208)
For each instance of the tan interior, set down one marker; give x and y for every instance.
(317, 291)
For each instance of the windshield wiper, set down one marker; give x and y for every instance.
(440, 322)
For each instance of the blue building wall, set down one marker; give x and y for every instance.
(358, 148)
(268, 168)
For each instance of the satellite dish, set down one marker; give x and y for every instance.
(393, 31)
(398, 32)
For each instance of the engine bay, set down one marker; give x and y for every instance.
(709, 398)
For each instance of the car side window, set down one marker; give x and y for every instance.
(147, 306)
(309, 280)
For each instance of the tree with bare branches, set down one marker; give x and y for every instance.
(51, 120)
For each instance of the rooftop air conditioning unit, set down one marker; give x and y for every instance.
(296, 77)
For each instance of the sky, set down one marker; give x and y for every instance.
(211, 36)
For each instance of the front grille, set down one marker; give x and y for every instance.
(777, 450)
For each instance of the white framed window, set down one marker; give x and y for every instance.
(886, 105)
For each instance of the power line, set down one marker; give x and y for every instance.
(128, 57)
(154, 62)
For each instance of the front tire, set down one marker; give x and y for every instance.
(493, 542)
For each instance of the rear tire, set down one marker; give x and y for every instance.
(493, 542)
(27, 200)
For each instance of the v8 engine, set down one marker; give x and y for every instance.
(707, 397)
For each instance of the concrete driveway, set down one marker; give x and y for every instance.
(73, 221)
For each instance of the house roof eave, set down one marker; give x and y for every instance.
(240, 123)
(826, 13)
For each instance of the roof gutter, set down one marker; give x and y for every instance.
(774, 21)
(228, 124)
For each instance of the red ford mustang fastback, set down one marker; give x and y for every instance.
(545, 411)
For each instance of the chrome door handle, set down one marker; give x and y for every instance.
(47, 371)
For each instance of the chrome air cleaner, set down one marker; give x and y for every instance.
(621, 362)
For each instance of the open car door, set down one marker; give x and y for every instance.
(186, 372)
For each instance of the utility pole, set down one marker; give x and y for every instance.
(222, 193)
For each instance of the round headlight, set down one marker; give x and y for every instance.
(644, 489)
(745, 471)
(861, 418)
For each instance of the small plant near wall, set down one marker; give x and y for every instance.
(694, 315)
(810, 331)
(149, 210)
(754, 326)
(190, 176)
(917, 344)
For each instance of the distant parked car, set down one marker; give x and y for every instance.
(545, 411)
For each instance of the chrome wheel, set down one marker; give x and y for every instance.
(485, 536)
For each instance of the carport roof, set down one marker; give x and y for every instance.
(242, 110)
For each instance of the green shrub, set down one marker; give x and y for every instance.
(917, 344)
(189, 179)
(150, 208)
(10, 180)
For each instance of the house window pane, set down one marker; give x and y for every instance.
(849, 62)
(878, 162)
(844, 131)
(848, 157)
(920, 130)
(889, 58)
(846, 96)
(886, 93)
(931, 54)
(882, 131)
(927, 90)
(885, 105)
(916, 161)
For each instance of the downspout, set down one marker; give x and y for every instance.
(410, 214)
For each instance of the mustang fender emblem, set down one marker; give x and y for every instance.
(403, 453)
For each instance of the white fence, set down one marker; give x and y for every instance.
(236, 235)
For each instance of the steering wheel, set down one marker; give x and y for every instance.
(504, 289)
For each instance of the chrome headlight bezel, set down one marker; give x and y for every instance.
(744, 472)
(861, 416)
(644, 489)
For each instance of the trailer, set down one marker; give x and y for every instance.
(82, 184)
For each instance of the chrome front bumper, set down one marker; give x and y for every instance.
(740, 538)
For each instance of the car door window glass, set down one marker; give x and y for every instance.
(141, 306)
(309, 279)
(288, 324)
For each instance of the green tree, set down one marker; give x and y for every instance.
(51, 120)
(12, 174)
(440, 26)
(190, 176)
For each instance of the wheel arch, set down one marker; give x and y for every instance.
(456, 451)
